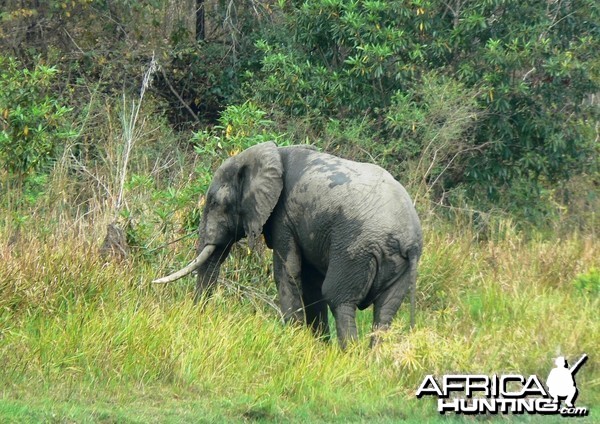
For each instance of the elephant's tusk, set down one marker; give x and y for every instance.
(200, 259)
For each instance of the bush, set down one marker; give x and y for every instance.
(33, 121)
(526, 70)
(589, 282)
(239, 127)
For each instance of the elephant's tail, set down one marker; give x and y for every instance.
(413, 260)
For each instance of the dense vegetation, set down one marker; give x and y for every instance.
(87, 341)
(474, 104)
(113, 115)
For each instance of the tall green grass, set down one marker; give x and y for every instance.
(87, 339)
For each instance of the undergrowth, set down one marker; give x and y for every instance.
(88, 338)
(77, 329)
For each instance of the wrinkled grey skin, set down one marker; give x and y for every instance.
(344, 234)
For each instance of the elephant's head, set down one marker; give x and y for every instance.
(240, 199)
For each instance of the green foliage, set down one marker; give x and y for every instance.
(239, 127)
(527, 69)
(431, 132)
(535, 77)
(162, 211)
(81, 332)
(482, 108)
(492, 102)
(34, 122)
(344, 58)
(588, 282)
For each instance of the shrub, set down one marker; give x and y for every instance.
(33, 121)
(239, 127)
(528, 69)
(589, 282)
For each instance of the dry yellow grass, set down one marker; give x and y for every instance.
(77, 328)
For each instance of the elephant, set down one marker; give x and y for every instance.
(344, 234)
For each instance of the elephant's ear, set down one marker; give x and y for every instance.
(261, 173)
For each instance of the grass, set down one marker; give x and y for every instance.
(83, 339)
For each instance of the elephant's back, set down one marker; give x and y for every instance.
(309, 167)
(346, 190)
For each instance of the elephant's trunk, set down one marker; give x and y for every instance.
(208, 273)
(197, 262)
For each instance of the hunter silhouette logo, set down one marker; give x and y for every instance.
(508, 394)
(561, 381)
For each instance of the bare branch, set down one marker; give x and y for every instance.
(129, 131)
(176, 94)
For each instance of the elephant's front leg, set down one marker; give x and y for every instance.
(287, 267)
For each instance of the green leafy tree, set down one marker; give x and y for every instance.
(32, 121)
(532, 66)
(535, 66)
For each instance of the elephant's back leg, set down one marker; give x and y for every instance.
(387, 302)
(346, 285)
